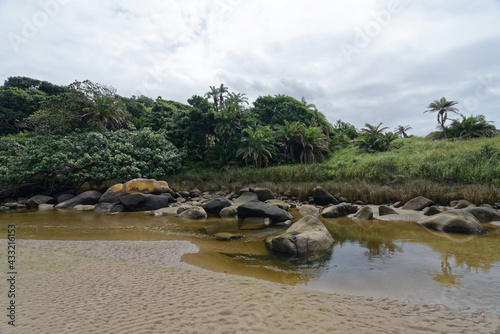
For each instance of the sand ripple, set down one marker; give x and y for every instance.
(143, 287)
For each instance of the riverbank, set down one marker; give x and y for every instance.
(144, 287)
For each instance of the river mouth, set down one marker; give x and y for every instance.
(383, 259)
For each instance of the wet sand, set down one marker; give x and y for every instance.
(144, 287)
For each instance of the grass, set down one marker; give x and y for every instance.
(441, 170)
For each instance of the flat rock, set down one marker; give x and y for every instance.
(308, 210)
(417, 203)
(90, 197)
(453, 221)
(339, 210)
(260, 209)
(484, 214)
(245, 197)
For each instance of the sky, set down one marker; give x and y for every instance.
(364, 61)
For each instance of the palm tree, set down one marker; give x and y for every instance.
(257, 145)
(314, 144)
(237, 98)
(290, 133)
(229, 121)
(213, 93)
(222, 90)
(442, 107)
(472, 127)
(373, 139)
(402, 129)
(309, 106)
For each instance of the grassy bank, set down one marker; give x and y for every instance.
(439, 170)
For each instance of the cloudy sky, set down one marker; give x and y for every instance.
(364, 61)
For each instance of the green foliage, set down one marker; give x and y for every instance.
(16, 105)
(272, 110)
(442, 107)
(373, 139)
(472, 127)
(257, 145)
(79, 157)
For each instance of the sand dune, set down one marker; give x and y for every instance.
(143, 287)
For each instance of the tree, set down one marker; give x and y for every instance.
(290, 133)
(442, 107)
(314, 144)
(257, 145)
(16, 105)
(402, 129)
(373, 138)
(472, 127)
(214, 94)
(238, 98)
(277, 109)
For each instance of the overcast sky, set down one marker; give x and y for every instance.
(359, 61)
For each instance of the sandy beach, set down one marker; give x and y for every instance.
(144, 287)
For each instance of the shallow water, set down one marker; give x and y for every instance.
(383, 259)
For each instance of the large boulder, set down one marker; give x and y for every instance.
(113, 194)
(261, 209)
(216, 205)
(229, 212)
(417, 203)
(279, 203)
(194, 212)
(144, 202)
(90, 197)
(262, 193)
(365, 213)
(145, 186)
(308, 235)
(323, 197)
(36, 200)
(339, 210)
(308, 210)
(484, 214)
(245, 197)
(384, 210)
(454, 221)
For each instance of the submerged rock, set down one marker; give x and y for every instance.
(454, 221)
(308, 235)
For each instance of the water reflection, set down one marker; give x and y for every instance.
(446, 277)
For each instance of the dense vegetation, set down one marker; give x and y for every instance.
(57, 137)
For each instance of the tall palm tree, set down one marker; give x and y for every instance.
(314, 144)
(222, 90)
(213, 93)
(257, 145)
(442, 107)
(237, 98)
(472, 127)
(402, 129)
(290, 133)
(309, 106)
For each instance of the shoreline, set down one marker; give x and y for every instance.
(144, 287)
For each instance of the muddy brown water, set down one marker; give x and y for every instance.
(383, 259)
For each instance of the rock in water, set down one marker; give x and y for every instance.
(308, 235)
(262, 193)
(384, 210)
(365, 213)
(194, 212)
(216, 205)
(340, 210)
(454, 221)
(484, 214)
(323, 197)
(90, 197)
(144, 202)
(418, 203)
(261, 209)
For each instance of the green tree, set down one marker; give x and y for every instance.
(257, 145)
(402, 129)
(16, 105)
(373, 138)
(442, 107)
(290, 133)
(472, 127)
(271, 110)
(314, 145)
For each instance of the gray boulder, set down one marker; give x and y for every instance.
(261, 209)
(417, 203)
(229, 212)
(194, 212)
(462, 204)
(36, 200)
(64, 197)
(308, 235)
(384, 210)
(262, 193)
(453, 221)
(144, 202)
(280, 204)
(432, 210)
(308, 210)
(245, 197)
(323, 197)
(365, 213)
(90, 197)
(216, 205)
(339, 210)
(484, 214)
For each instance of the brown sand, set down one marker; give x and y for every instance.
(143, 287)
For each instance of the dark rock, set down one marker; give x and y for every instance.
(195, 193)
(194, 212)
(384, 210)
(229, 212)
(144, 202)
(432, 210)
(339, 210)
(323, 197)
(112, 195)
(184, 193)
(484, 214)
(263, 194)
(216, 205)
(64, 197)
(462, 204)
(280, 204)
(36, 200)
(104, 207)
(365, 213)
(453, 221)
(308, 235)
(260, 209)
(90, 197)
(245, 197)
(417, 203)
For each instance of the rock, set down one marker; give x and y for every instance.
(36, 200)
(280, 204)
(113, 194)
(484, 214)
(229, 212)
(180, 200)
(104, 207)
(4, 208)
(254, 223)
(308, 210)
(323, 197)
(384, 210)
(145, 186)
(81, 207)
(365, 213)
(117, 208)
(339, 210)
(195, 193)
(417, 203)
(45, 207)
(497, 205)
(462, 204)
(226, 236)
(184, 193)
(432, 210)
(171, 211)
(245, 197)
(64, 197)
(194, 212)
(144, 202)
(454, 221)
(90, 197)
(216, 205)
(262, 193)
(308, 235)
(260, 209)
(342, 199)
(15, 205)
(398, 204)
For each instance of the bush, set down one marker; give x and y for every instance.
(57, 161)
